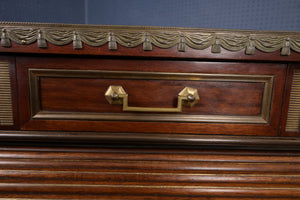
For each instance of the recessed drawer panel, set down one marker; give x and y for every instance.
(67, 94)
(151, 96)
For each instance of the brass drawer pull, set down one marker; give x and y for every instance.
(115, 94)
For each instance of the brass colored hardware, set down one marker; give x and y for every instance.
(293, 119)
(6, 111)
(115, 94)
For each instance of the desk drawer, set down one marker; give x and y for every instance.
(119, 95)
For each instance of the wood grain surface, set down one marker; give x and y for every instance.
(54, 158)
(74, 173)
(87, 95)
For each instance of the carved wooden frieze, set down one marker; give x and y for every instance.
(162, 37)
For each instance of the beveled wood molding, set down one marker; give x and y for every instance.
(162, 37)
(144, 140)
(35, 76)
(166, 174)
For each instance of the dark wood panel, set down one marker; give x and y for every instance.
(151, 127)
(87, 95)
(235, 99)
(148, 160)
(111, 173)
(147, 65)
(128, 64)
(88, 139)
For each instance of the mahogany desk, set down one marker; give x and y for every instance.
(124, 112)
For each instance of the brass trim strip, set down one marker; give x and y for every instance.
(293, 119)
(43, 115)
(37, 113)
(6, 112)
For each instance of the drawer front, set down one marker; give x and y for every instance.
(150, 96)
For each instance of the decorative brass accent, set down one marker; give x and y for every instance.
(6, 113)
(5, 42)
(250, 49)
(115, 94)
(77, 44)
(216, 46)
(293, 119)
(37, 113)
(41, 42)
(162, 37)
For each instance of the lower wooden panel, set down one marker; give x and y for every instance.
(104, 173)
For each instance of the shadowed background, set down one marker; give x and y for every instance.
(231, 14)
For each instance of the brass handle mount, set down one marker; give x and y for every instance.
(116, 95)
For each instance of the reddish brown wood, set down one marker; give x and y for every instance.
(75, 94)
(87, 95)
(111, 173)
(155, 140)
(155, 53)
(139, 197)
(150, 127)
(146, 160)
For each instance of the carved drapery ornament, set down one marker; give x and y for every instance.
(162, 37)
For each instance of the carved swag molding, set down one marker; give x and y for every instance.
(162, 37)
